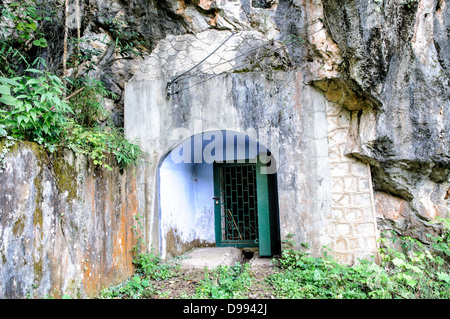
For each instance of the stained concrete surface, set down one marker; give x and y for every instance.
(212, 257)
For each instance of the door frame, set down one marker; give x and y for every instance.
(267, 210)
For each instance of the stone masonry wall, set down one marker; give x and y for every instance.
(354, 230)
(211, 52)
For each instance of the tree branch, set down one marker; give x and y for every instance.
(74, 93)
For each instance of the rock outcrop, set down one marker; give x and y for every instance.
(395, 52)
(388, 63)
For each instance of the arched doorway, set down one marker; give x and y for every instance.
(218, 188)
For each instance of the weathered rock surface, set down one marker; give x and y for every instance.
(388, 63)
(65, 227)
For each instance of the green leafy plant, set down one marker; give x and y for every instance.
(36, 105)
(137, 231)
(136, 287)
(83, 56)
(305, 276)
(419, 270)
(409, 3)
(441, 244)
(125, 152)
(417, 274)
(87, 99)
(100, 142)
(225, 282)
(151, 266)
(26, 18)
(32, 107)
(126, 40)
(21, 33)
(87, 141)
(416, 271)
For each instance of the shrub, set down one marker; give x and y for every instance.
(134, 288)
(86, 100)
(415, 272)
(97, 142)
(36, 105)
(304, 276)
(32, 108)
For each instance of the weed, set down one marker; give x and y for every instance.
(305, 276)
(136, 287)
(36, 105)
(148, 267)
(414, 272)
(32, 107)
(87, 100)
(9, 142)
(410, 3)
(151, 266)
(225, 282)
(126, 41)
(137, 230)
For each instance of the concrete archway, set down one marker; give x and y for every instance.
(188, 215)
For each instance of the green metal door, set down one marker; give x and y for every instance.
(242, 207)
(236, 213)
(265, 227)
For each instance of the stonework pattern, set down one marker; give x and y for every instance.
(210, 52)
(352, 221)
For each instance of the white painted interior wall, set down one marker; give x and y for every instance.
(176, 200)
(204, 204)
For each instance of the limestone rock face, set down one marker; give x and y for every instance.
(388, 63)
(395, 53)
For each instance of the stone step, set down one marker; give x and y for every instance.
(212, 257)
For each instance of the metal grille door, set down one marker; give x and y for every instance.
(239, 212)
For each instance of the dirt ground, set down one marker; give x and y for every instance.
(184, 283)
